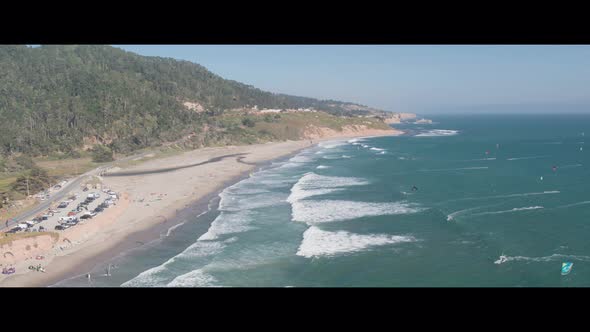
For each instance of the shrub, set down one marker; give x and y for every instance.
(101, 154)
(248, 122)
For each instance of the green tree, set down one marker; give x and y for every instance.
(32, 182)
(101, 154)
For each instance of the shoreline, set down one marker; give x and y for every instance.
(156, 233)
(150, 228)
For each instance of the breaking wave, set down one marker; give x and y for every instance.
(317, 242)
(438, 132)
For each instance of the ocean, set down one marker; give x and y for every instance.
(437, 207)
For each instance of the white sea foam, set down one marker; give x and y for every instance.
(438, 132)
(377, 149)
(382, 152)
(250, 191)
(228, 223)
(322, 167)
(156, 276)
(355, 140)
(301, 159)
(346, 156)
(312, 184)
(236, 202)
(311, 211)
(532, 157)
(195, 278)
(317, 242)
(554, 257)
(332, 144)
(526, 208)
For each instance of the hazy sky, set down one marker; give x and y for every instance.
(419, 78)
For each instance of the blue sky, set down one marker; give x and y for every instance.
(414, 78)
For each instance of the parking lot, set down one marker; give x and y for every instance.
(79, 207)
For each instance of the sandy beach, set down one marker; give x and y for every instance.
(152, 195)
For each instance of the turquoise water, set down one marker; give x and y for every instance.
(344, 213)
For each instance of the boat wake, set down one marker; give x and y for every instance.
(523, 158)
(526, 208)
(505, 196)
(451, 169)
(555, 257)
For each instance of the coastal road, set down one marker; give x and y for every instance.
(63, 192)
(102, 171)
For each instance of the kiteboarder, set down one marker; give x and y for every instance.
(503, 259)
(414, 188)
(554, 168)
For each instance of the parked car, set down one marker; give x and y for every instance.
(73, 221)
(88, 215)
(85, 189)
(14, 230)
(93, 195)
(62, 227)
(98, 209)
(22, 226)
(62, 205)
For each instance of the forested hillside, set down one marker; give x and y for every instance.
(57, 99)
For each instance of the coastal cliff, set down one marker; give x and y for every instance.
(314, 132)
(399, 118)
